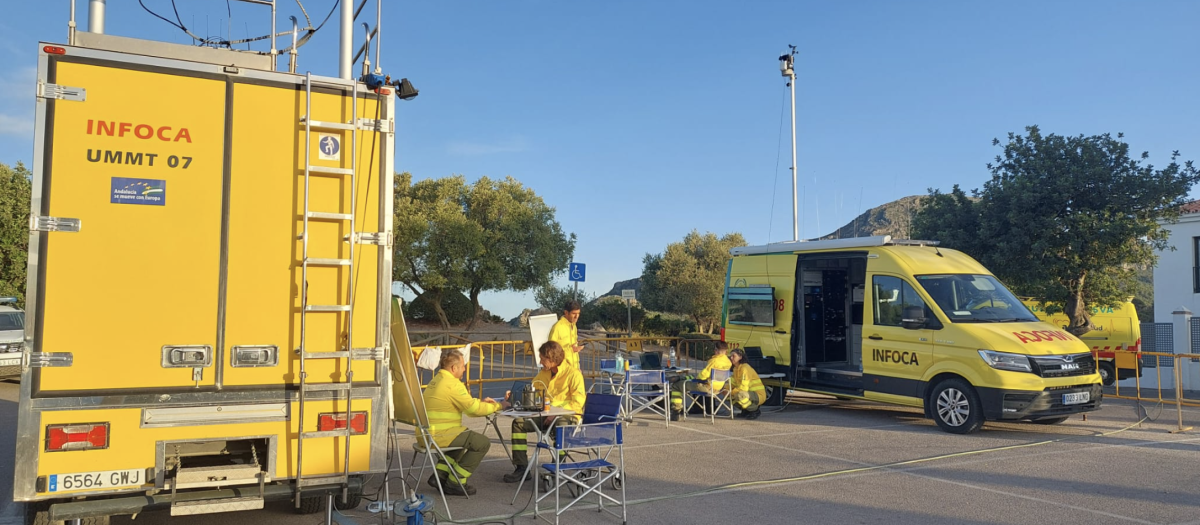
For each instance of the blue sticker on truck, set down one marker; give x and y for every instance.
(151, 192)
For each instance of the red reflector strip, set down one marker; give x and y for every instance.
(332, 421)
(54, 50)
(383, 91)
(86, 436)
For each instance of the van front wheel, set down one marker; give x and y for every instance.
(1108, 373)
(956, 407)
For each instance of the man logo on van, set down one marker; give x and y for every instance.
(894, 356)
(1042, 335)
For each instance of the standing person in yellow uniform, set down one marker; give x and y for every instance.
(563, 387)
(446, 401)
(566, 334)
(745, 386)
(719, 361)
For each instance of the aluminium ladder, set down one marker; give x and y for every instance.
(346, 354)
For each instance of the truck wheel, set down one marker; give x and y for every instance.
(956, 407)
(39, 514)
(1108, 373)
(353, 500)
(311, 505)
(1050, 420)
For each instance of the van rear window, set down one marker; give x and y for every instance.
(752, 306)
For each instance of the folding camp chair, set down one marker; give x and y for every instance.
(409, 409)
(598, 437)
(611, 380)
(647, 390)
(717, 398)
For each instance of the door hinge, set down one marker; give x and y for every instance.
(378, 238)
(57, 92)
(368, 354)
(53, 224)
(50, 359)
(382, 125)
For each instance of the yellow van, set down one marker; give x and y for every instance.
(908, 323)
(1117, 328)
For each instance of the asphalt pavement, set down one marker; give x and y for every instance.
(820, 460)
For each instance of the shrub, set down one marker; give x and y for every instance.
(664, 326)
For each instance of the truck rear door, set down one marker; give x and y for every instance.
(133, 295)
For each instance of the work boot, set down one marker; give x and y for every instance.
(674, 414)
(517, 475)
(754, 414)
(451, 487)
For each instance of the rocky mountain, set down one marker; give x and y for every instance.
(892, 218)
(632, 284)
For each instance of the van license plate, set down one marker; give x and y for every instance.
(1076, 398)
(97, 480)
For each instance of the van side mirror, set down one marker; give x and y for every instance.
(913, 318)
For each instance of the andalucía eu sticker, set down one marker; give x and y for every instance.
(150, 192)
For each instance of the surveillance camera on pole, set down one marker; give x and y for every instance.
(787, 62)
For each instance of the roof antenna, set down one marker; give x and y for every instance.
(937, 251)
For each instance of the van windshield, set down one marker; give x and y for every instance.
(12, 321)
(975, 299)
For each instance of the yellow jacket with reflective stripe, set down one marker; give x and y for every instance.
(446, 400)
(745, 379)
(565, 389)
(567, 336)
(717, 362)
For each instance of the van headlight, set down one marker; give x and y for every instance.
(1006, 361)
(11, 347)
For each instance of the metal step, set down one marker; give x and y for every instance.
(337, 479)
(328, 170)
(320, 261)
(326, 125)
(216, 476)
(327, 308)
(339, 354)
(329, 216)
(324, 434)
(326, 387)
(211, 506)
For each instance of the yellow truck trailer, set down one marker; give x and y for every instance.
(209, 283)
(907, 323)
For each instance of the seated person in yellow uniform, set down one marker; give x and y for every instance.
(446, 401)
(679, 387)
(745, 386)
(562, 384)
(566, 333)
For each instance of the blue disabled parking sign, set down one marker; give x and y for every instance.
(577, 271)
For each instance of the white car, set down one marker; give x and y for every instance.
(12, 338)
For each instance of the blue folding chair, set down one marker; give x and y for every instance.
(583, 478)
(647, 390)
(712, 399)
(599, 408)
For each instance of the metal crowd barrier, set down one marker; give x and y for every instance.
(1169, 365)
(508, 361)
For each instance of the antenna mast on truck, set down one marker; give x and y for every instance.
(786, 63)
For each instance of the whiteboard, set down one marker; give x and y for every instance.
(408, 406)
(539, 333)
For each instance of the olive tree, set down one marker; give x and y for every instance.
(1069, 220)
